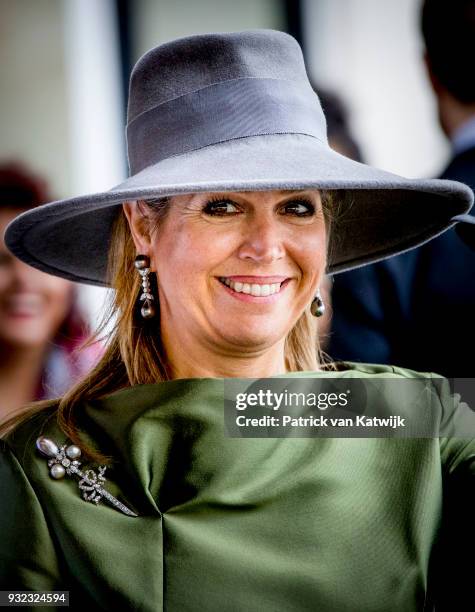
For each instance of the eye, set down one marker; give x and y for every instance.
(300, 208)
(220, 208)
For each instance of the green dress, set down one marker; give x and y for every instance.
(239, 524)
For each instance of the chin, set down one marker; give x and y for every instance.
(248, 339)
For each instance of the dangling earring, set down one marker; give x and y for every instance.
(317, 308)
(142, 263)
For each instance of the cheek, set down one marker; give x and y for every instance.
(190, 256)
(59, 296)
(57, 288)
(310, 250)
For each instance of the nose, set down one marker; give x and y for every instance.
(263, 241)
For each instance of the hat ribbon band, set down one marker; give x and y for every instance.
(220, 112)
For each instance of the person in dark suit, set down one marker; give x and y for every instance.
(417, 309)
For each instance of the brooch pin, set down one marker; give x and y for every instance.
(64, 460)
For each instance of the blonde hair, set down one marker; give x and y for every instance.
(134, 352)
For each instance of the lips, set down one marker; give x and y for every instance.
(254, 289)
(258, 280)
(254, 293)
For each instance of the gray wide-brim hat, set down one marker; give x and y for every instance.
(465, 228)
(235, 112)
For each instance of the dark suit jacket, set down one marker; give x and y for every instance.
(415, 310)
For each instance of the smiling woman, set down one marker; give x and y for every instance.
(40, 322)
(216, 246)
(249, 264)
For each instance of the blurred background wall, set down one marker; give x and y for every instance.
(34, 109)
(65, 65)
(371, 53)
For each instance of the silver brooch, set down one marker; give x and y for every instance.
(64, 460)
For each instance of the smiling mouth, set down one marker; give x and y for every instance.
(254, 289)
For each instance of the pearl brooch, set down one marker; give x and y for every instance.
(63, 460)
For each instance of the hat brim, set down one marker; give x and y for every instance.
(382, 214)
(465, 228)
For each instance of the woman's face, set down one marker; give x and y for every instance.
(237, 268)
(33, 304)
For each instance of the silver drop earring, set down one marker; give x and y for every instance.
(142, 263)
(317, 308)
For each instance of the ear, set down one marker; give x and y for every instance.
(138, 224)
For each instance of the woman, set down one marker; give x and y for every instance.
(216, 246)
(41, 326)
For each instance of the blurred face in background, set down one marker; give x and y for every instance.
(33, 305)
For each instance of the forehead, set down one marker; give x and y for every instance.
(259, 194)
(278, 192)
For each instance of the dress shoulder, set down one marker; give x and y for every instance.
(28, 558)
(38, 420)
(381, 369)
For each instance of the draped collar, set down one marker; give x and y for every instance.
(169, 444)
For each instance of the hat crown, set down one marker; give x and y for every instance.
(188, 64)
(209, 89)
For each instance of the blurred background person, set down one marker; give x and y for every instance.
(41, 326)
(340, 139)
(417, 310)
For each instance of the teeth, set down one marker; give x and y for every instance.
(252, 289)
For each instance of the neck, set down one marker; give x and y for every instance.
(190, 359)
(20, 371)
(453, 113)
